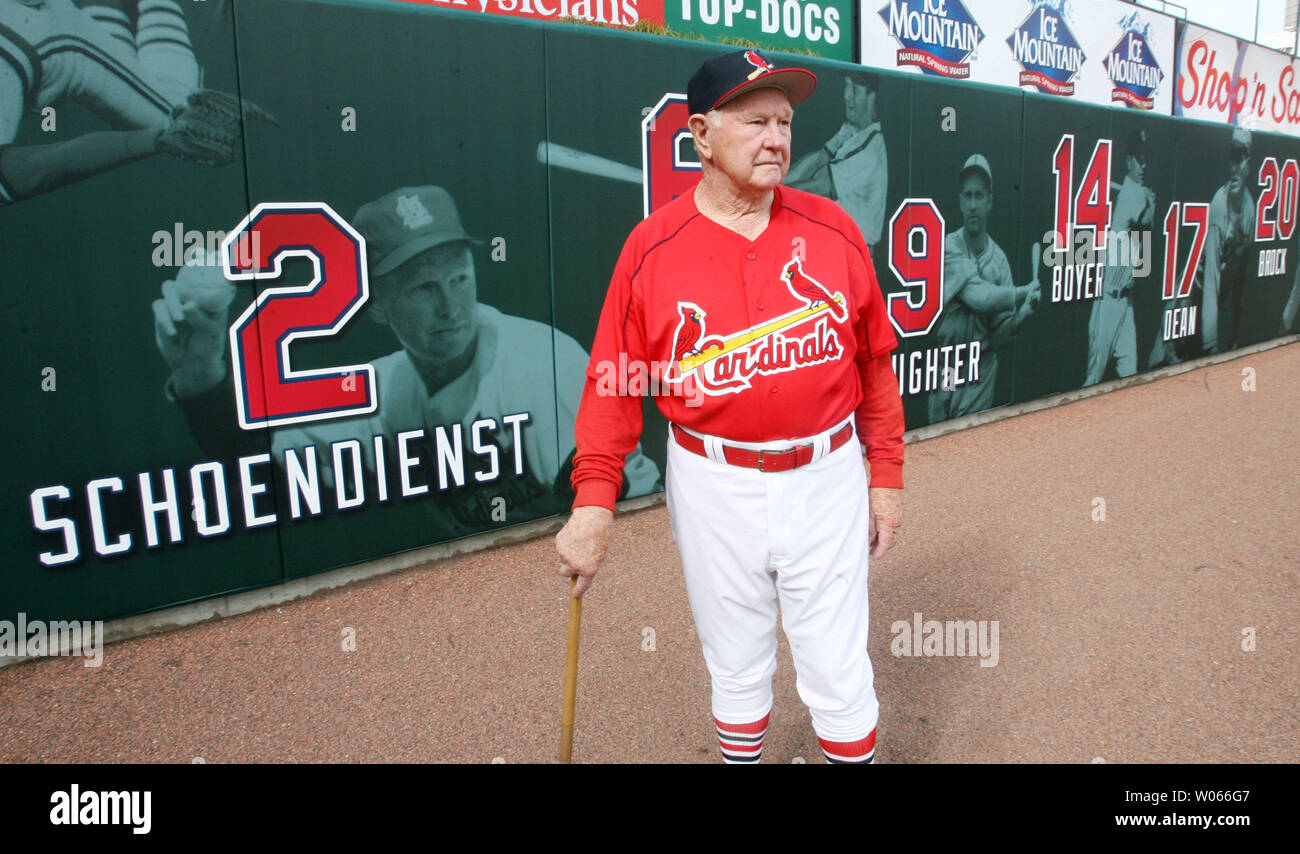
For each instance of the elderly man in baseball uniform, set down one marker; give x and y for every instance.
(763, 298)
(982, 303)
(460, 361)
(852, 167)
(1232, 233)
(1112, 335)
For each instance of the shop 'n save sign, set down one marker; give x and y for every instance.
(1222, 79)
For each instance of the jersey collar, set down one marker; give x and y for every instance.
(777, 202)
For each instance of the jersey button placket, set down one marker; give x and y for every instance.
(750, 277)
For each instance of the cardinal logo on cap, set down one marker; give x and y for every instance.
(413, 212)
(761, 65)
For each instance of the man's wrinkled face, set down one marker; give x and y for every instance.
(976, 202)
(430, 302)
(750, 138)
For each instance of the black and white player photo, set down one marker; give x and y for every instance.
(1112, 333)
(852, 167)
(129, 62)
(461, 362)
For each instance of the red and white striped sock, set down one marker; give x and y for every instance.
(742, 744)
(860, 752)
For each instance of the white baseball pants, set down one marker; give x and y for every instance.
(751, 542)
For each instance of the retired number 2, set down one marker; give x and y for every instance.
(268, 391)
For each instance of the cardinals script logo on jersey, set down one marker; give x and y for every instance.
(724, 365)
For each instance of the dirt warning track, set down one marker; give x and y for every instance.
(1125, 567)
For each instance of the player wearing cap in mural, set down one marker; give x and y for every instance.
(460, 358)
(982, 303)
(1232, 231)
(852, 167)
(1112, 335)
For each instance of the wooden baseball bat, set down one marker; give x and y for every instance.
(570, 678)
(563, 157)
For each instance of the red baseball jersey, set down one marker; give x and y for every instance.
(778, 338)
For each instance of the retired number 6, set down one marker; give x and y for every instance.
(666, 168)
(268, 391)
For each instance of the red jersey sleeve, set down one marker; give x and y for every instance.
(880, 422)
(879, 415)
(609, 420)
(875, 332)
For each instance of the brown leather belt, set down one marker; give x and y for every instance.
(763, 460)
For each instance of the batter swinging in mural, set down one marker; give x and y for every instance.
(1112, 334)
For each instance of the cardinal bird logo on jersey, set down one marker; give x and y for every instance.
(803, 285)
(725, 364)
(688, 332)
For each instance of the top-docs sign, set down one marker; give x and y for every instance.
(1100, 51)
(823, 27)
(1049, 55)
(936, 36)
(1238, 83)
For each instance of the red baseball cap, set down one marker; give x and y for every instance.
(723, 78)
